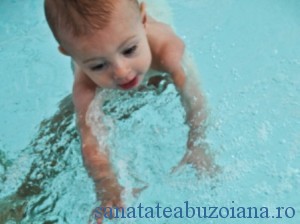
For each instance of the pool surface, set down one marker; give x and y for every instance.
(248, 55)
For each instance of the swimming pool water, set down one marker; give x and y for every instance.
(248, 56)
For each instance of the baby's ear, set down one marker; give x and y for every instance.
(143, 13)
(62, 50)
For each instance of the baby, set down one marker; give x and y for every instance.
(113, 44)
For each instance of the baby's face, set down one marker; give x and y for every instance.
(117, 56)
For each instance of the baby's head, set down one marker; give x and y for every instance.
(106, 38)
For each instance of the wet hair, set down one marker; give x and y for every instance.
(79, 17)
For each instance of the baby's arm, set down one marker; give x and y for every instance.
(184, 75)
(95, 158)
(196, 114)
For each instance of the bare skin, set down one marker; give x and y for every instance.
(159, 48)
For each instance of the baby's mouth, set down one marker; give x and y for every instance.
(130, 84)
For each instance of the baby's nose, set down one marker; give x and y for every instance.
(121, 72)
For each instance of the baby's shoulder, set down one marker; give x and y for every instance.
(167, 48)
(159, 33)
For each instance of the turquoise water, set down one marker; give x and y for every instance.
(248, 54)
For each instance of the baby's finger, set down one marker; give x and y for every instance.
(107, 210)
(100, 221)
(99, 213)
(93, 216)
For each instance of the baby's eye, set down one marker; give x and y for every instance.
(130, 50)
(98, 67)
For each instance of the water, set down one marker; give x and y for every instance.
(249, 61)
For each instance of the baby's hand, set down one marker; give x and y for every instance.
(109, 191)
(199, 159)
(112, 199)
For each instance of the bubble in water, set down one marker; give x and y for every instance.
(264, 131)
